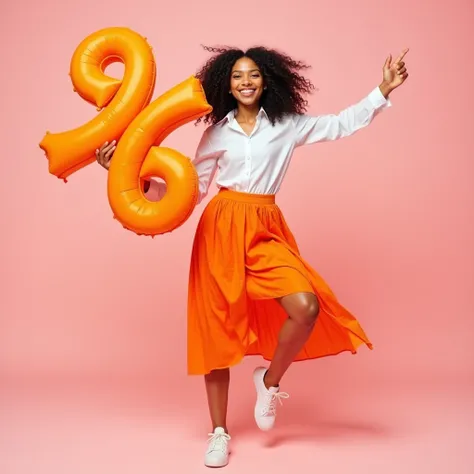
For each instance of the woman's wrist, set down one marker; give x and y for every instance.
(385, 89)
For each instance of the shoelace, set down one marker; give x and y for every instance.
(218, 441)
(270, 403)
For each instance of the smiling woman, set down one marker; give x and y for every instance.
(250, 290)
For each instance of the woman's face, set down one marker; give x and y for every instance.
(246, 82)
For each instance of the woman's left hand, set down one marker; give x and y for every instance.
(394, 73)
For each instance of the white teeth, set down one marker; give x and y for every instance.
(247, 91)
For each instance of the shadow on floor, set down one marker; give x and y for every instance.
(303, 423)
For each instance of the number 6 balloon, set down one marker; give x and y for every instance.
(125, 114)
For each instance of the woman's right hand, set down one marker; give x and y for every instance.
(104, 154)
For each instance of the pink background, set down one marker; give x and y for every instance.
(92, 328)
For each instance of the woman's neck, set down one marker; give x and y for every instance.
(247, 114)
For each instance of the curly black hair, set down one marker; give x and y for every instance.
(285, 86)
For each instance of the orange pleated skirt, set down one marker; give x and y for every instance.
(244, 256)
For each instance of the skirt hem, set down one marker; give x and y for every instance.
(306, 359)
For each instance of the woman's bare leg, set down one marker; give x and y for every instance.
(217, 388)
(302, 310)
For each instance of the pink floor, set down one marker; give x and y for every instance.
(130, 426)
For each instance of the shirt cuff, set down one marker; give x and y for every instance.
(378, 100)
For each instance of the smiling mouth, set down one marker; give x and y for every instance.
(247, 92)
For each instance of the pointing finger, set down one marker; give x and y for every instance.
(402, 55)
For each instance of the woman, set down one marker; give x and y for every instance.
(250, 291)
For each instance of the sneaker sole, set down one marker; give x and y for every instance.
(216, 465)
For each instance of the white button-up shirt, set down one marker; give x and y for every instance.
(257, 163)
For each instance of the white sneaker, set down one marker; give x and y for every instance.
(217, 454)
(265, 407)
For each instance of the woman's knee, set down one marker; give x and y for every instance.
(303, 308)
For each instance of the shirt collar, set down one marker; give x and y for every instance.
(231, 115)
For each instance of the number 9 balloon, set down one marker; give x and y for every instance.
(126, 114)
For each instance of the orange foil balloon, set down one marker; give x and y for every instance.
(120, 100)
(139, 156)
